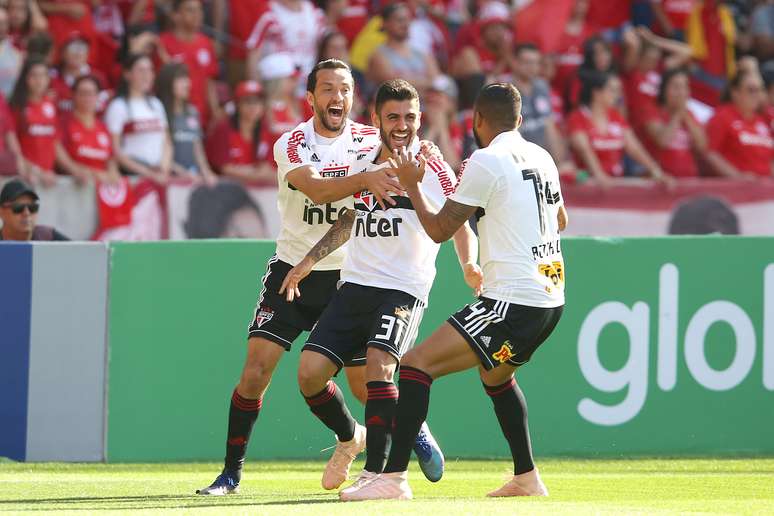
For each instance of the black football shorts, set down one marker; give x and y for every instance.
(504, 333)
(359, 317)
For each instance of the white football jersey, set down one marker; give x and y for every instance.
(515, 184)
(390, 248)
(303, 222)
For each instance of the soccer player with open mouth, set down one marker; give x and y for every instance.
(512, 187)
(317, 178)
(386, 279)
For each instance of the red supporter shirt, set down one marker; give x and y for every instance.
(282, 121)
(469, 35)
(148, 14)
(607, 144)
(677, 157)
(677, 11)
(569, 58)
(199, 55)
(6, 123)
(604, 14)
(715, 62)
(353, 19)
(641, 91)
(87, 145)
(37, 132)
(61, 87)
(745, 143)
(243, 16)
(62, 26)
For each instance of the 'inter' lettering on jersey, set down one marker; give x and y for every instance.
(515, 184)
(390, 248)
(303, 222)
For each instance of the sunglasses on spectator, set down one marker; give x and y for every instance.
(17, 208)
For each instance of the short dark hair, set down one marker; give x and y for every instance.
(500, 105)
(521, 47)
(394, 89)
(328, 64)
(666, 79)
(391, 9)
(591, 82)
(177, 3)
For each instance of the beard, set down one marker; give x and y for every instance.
(386, 141)
(477, 139)
(322, 116)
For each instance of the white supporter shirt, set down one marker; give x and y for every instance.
(283, 30)
(142, 124)
(303, 222)
(515, 184)
(390, 248)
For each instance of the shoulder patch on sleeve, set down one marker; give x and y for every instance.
(296, 139)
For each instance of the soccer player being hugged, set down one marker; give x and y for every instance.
(386, 278)
(317, 178)
(512, 186)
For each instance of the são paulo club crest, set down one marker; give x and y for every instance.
(263, 315)
(365, 199)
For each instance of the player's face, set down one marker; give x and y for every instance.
(398, 122)
(332, 98)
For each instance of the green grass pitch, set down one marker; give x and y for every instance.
(652, 486)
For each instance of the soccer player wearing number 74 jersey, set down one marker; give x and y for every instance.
(512, 186)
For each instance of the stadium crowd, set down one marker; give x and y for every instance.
(199, 90)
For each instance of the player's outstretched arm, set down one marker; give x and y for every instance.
(336, 236)
(466, 245)
(323, 190)
(562, 218)
(439, 226)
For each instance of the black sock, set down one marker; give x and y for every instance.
(414, 387)
(329, 406)
(241, 418)
(379, 413)
(511, 409)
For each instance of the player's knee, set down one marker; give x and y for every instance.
(414, 359)
(311, 379)
(380, 365)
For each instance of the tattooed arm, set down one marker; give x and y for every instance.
(336, 236)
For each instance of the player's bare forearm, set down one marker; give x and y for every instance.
(336, 236)
(466, 245)
(323, 190)
(442, 225)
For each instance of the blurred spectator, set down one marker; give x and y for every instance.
(173, 87)
(11, 161)
(138, 123)
(440, 123)
(24, 19)
(762, 30)
(484, 46)
(642, 82)
(41, 45)
(538, 122)
(396, 58)
(35, 122)
(86, 150)
(354, 17)
(711, 33)
(768, 110)
(284, 110)
(224, 211)
(19, 205)
(570, 47)
(68, 16)
(10, 57)
(242, 16)
(233, 147)
(333, 45)
(740, 140)
(290, 26)
(671, 17)
(185, 43)
(597, 58)
(674, 135)
(599, 135)
(548, 71)
(137, 12)
(74, 63)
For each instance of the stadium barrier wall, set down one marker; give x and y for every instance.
(666, 346)
(53, 351)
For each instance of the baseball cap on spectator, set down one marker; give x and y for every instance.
(14, 189)
(248, 89)
(444, 84)
(494, 12)
(277, 66)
